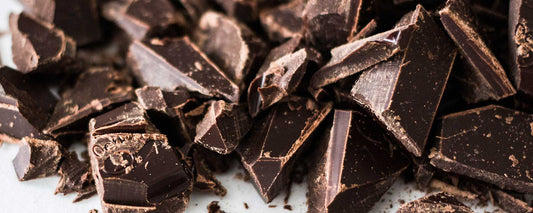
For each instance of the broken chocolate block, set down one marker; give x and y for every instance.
(290, 46)
(223, 127)
(173, 63)
(143, 18)
(75, 177)
(205, 180)
(25, 106)
(78, 18)
(243, 10)
(139, 172)
(405, 91)
(231, 45)
(153, 98)
(356, 164)
(37, 158)
(485, 79)
(330, 22)
(521, 44)
(277, 139)
(95, 90)
(509, 203)
(39, 46)
(128, 118)
(489, 144)
(441, 202)
(284, 21)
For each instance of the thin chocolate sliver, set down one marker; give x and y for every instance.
(520, 43)
(129, 117)
(37, 158)
(441, 202)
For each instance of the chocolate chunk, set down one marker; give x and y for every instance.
(509, 203)
(277, 139)
(143, 18)
(284, 21)
(205, 180)
(441, 202)
(215, 162)
(153, 98)
(25, 105)
(243, 10)
(95, 90)
(179, 64)
(75, 177)
(37, 158)
(329, 23)
(404, 92)
(139, 172)
(213, 207)
(231, 45)
(520, 43)
(39, 46)
(366, 31)
(128, 118)
(485, 79)
(281, 79)
(490, 144)
(356, 164)
(422, 172)
(288, 47)
(78, 18)
(223, 127)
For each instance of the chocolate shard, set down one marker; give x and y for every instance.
(232, 46)
(366, 31)
(355, 165)
(277, 139)
(485, 79)
(284, 21)
(139, 173)
(489, 144)
(75, 177)
(243, 10)
(79, 19)
(288, 47)
(223, 127)
(329, 23)
(179, 64)
(205, 180)
(405, 91)
(128, 118)
(25, 106)
(39, 46)
(95, 90)
(143, 18)
(521, 44)
(37, 158)
(441, 202)
(153, 98)
(509, 203)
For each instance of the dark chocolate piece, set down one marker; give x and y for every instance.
(405, 91)
(281, 79)
(277, 139)
(25, 105)
(452, 190)
(422, 172)
(75, 177)
(509, 203)
(128, 118)
(441, 202)
(153, 98)
(521, 44)
(284, 21)
(290, 46)
(329, 23)
(490, 144)
(231, 45)
(39, 46)
(143, 18)
(78, 18)
(179, 63)
(223, 127)
(366, 31)
(205, 180)
(243, 10)
(37, 158)
(213, 207)
(485, 79)
(95, 90)
(356, 164)
(195, 8)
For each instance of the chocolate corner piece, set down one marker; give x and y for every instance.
(277, 139)
(37, 158)
(223, 127)
(491, 143)
(404, 92)
(128, 118)
(75, 177)
(284, 21)
(520, 29)
(355, 164)
(180, 64)
(440, 202)
(485, 78)
(39, 46)
(245, 11)
(509, 203)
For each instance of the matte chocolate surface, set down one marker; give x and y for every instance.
(284, 21)
(485, 79)
(405, 91)
(174, 63)
(39, 46)
(441, 202)
(520, 43)
(356, 164)
(75, 177)
(37, 158)
(223, 127)
(492, 144)
(276, 141)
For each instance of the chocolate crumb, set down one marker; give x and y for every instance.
(288, 207)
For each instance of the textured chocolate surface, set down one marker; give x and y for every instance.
(441, 202)
(491, 143)
(128, 118)
(75, 177)
(520, 43)
(509, 203)
(37, 158)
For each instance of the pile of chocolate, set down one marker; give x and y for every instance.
(165, 93)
